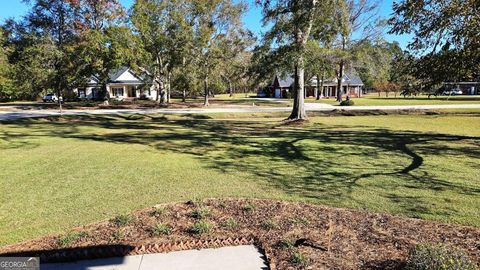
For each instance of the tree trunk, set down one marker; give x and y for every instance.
(339, 84)
(169, 86)
(321, 85)
(205, 85)
(298, 111)
(184, 95)
(230, 89)
(317, 90)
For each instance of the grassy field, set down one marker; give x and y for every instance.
(58, 173)
(375, 100)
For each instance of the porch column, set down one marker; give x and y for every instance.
(125, 93)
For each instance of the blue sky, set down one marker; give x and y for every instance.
(252, 19)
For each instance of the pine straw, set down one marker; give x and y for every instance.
(328, 238)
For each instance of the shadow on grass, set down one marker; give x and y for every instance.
(314, 162)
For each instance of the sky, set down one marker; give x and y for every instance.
(252, 19)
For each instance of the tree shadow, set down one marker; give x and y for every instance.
(316, 162)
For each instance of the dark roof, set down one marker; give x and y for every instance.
(350, 77)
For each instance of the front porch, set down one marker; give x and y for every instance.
(124, 91)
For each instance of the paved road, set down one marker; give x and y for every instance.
(15, 113)
(232, 258)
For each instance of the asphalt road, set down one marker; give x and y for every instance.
(17, 112)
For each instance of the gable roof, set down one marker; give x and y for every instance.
(285, 81)
(115, 76)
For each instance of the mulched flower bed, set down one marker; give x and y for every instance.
(292, 235)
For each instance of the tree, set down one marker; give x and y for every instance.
(105, 43)
(446, 43)
(6, 84)
(151, 20)
(236, 59)
(218, 24)
(294, 23)
(318, 63)
(354, 16)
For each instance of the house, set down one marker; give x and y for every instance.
(123, 83)
(352, 86)
(468, 88)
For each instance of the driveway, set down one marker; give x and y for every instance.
(9, 114)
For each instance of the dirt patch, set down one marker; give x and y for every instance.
(292, 235)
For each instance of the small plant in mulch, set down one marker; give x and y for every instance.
(200, 213)
(269, 225)
(117, 236)
(299, 221)
(286, 244)
(200, 227)
(249, 208)
(438, 257)
(122, 220)
(158, 212)
(298, 259)
(230, 224)
(67, 239)
(161, 229)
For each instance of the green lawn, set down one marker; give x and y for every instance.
(375, 100)
(62, 173)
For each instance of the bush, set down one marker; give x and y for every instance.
(161, 229)
(438, 257)
(347, 103)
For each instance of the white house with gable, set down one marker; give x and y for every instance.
(123, 83)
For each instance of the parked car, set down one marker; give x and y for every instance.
(50, 98)
(452, 92)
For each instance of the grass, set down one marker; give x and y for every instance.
(391, 100)
(58, 173)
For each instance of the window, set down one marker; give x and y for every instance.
(118, 92)
(82, 93)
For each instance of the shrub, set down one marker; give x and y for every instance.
(349, 102)
(201, 213)
(438, 257)
(70, 237)
(161, 229)
(200, 227)
(122, 220)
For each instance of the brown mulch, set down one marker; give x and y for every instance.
(328, 238)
